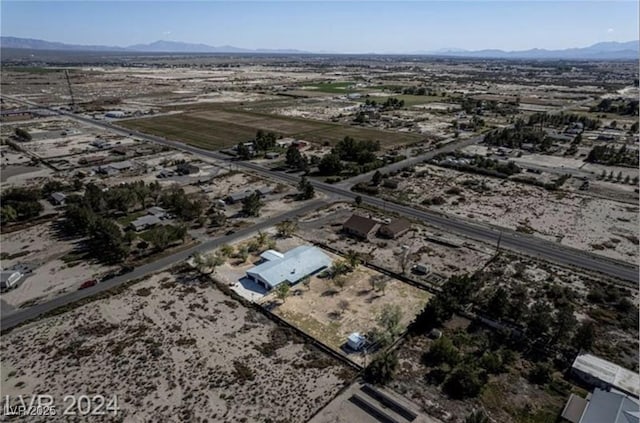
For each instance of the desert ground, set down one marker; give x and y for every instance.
(559, 216)
(173, 348)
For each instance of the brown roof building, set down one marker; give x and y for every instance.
(395, 228)
(360, 226)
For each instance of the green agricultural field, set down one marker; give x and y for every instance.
(334, 87)
(216, 129)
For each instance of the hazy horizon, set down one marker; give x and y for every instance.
(340, 27)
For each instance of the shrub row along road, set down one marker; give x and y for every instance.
(526, 244)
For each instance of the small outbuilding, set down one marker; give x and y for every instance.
(360, 226)
(58, 198)
(356, 342)
(395, 228)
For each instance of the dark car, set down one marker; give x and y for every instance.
(87, 284)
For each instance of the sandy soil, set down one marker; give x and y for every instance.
(38, 247)
(558, 216)
(459, 257)
(172, 349)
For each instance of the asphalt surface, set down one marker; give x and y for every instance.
(19, 316)
(526, 244)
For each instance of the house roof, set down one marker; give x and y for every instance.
(271, 255)
(156, 211)
(606, 371)
(611, 407)
(120, 165)
(293, 266)
(398, 225)
(235, 196)
(58, 196)
(146, 220)
(360, 224)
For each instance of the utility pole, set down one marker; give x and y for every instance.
(73, 100)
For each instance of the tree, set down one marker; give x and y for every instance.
(377, 178)
(252, 204)
(465, 381)
(226, 250)
(295, 159)
(343, 305)
(340, 281)
(262, 239)
(498, 303)
(218, 218)
(330, 165)
(286, 228)
(8, 214)
(243, 253)
(243, 151)
(565, 322)
(390, 318)
(584, 336)
(381, 369)
(339, 268)
(305, 188)
(442, 351)
(282, 291)
(380, 284)
(353, 259)
(106, 241)
(540, 373)
(22, 134)
(207, 264)
(358, 201)
(78, 219)
(539, 321)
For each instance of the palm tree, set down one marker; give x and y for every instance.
(353, 258)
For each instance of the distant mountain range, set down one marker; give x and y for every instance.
(605, 50)
(155, 47)
(601, 51)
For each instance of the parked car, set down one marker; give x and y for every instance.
(87, 284)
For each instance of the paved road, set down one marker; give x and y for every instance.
(18, 316)
(523, 243)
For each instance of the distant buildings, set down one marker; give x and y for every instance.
(290, 267)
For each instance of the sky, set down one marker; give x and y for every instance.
(333, 26)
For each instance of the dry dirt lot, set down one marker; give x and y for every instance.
(593, 224)
(39, 247)
(319, 309)
(461, 256)
(172, 349)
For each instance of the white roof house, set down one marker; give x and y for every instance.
(606, 374)
(294, 265)
(145, 222)
(602, 407)
(270, 255)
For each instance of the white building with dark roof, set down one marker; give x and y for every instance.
(290, 267)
